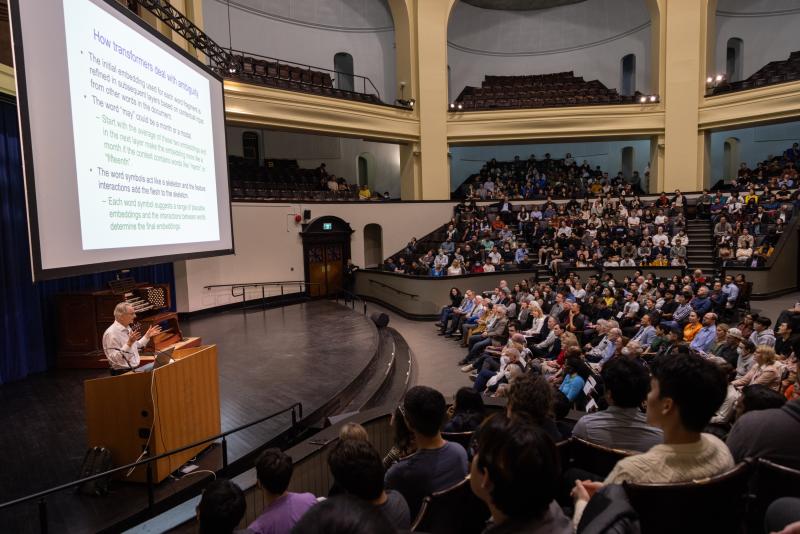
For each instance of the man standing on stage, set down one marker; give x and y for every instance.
(121, 344)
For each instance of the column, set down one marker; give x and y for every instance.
(689, 30)
(422, 25)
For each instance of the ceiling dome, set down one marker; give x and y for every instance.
(520, 5)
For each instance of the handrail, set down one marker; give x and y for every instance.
(263, 286)
(250, 284)
(148, 462)
(279, 62)
(387, 286)
(352, 297)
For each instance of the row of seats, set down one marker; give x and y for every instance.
(774, 72)
(744, 493)
(548, 90)
(294, 78)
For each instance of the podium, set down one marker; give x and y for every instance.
(171, 406)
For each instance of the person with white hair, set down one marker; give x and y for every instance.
(121, 343)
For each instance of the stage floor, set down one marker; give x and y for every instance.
(268, 359)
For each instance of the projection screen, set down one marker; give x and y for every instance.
(123, 141)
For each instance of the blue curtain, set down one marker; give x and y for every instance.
(29, 336)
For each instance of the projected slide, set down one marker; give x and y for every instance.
(144, 152)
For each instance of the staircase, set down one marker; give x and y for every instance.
(700, 252)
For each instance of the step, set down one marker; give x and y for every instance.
(401, 373)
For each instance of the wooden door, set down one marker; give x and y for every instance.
(333, 268)
(317, 269)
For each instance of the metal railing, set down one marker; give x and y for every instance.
(349, 296)
(302, 285)
(387, 286)
(343, 81)
(41, 496)
(222, 60)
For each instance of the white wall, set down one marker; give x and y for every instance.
(269, 247)
(755, 144)
(340, 154)
(608, 154)
(589, 38)
(768, 29)
(311, 32)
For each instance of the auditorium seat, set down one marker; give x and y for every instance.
(548, 90)
(770, 481)
(715, 504)
(293, 78)
(772, 73)
(592, 457)
(455, 510)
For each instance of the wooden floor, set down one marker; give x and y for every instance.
(268, 359)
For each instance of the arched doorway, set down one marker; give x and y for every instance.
(730, 161)
(343, 65)
(734, 51)
(365, 165)
(326, 249)
(363, 171)
(250, 148)
(627, 162)
(628, 85)
(373, 245)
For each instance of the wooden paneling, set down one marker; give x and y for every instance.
(179, 401)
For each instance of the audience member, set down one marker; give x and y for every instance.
(282, 508)
(685, 392)
(343, 514)
(357, 469)
(436, 464)
(770, 434)
(516, 472)
(622, 425)
(467, 412)
(222, 507)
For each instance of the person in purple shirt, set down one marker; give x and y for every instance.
(283, 508)
(707, 335)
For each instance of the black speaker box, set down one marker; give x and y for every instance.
(381, 320)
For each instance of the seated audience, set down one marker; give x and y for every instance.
(622, 425)
(685, 392)
(437, 464)
(530, 397)
(765, 372)
(282, 508)
(466, 413)
(344, 514)
(222, 507)
(357, 469)
(516, 472)
(769, 434)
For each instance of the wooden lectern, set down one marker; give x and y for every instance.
(184, 408)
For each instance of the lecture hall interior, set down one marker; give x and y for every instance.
(437, 266)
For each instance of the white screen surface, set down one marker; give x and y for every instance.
(126, 145)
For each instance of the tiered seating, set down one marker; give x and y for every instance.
(293, 77)
(538, 91)
(774, 72)
(279, 179)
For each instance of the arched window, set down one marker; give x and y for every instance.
(343, 65)
(628, 85)
(363, 171)
(730, 162)
(733, 59)
(627, 162)
(373, 245)
(250, 146)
